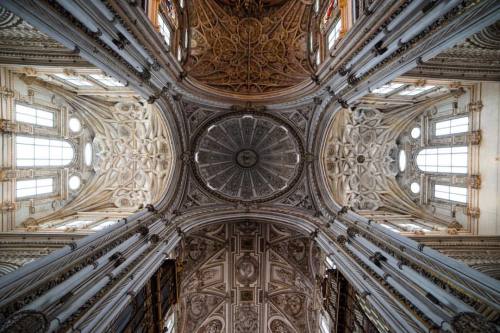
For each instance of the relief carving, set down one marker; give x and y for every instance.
(246, 319)
(252, 54)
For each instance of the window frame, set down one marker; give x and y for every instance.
(36, 195)
(389, 88)
(449, 120)
(107, 81)
(163, 25)
(34, 159)
(449, 188)
(36, 108)
(336, 22)
(440, 152)
(69, 80)
(430, 88)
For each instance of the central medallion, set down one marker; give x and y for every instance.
(247, 156)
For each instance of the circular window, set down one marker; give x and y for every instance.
(415, 187)
(74, 182)
(87, 154)
(75, 125)
(415, 132)
(402, 160)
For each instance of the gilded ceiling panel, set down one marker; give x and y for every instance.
(249, 49)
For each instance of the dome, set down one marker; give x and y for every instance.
(247, 157)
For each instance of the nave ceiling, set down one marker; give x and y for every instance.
(248, 277)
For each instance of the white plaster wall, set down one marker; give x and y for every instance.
(489, 160)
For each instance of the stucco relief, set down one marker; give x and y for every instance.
(251, 55)
(133, 151)
(278, 326)
(246, 319)
(247, 156)
(246, 267)
(214, 326)
(360, 158)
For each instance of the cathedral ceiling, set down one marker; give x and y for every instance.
(247, 157)
(245, 47)
(248, 277)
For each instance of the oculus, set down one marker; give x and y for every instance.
(74, 183)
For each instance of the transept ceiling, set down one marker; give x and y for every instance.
(233, 50)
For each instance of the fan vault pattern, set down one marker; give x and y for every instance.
(247, 157)
(252, 54)
(248, 277)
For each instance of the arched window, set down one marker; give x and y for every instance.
(42, 152)
(334, 33)
(449, 159)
